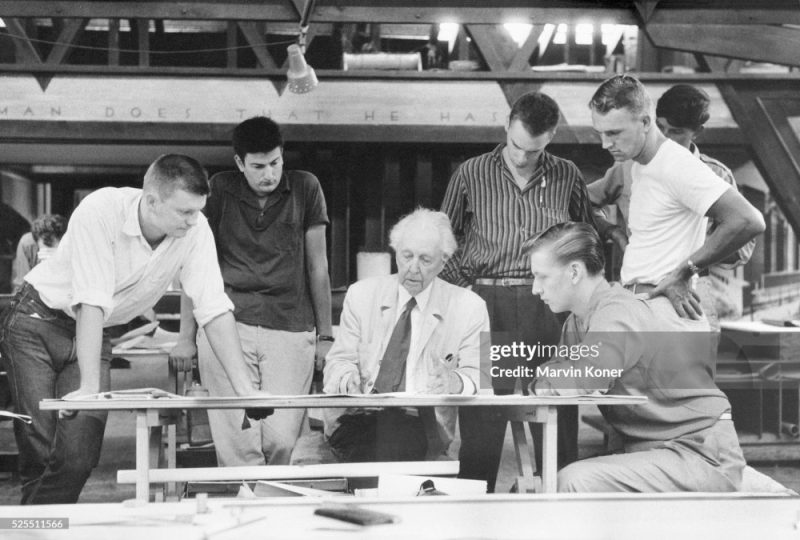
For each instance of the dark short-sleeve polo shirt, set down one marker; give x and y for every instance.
(262, 251)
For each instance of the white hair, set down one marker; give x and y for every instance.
(429, 218)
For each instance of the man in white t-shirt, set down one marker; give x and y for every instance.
(672, 195)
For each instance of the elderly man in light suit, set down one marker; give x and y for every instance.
(410, 332)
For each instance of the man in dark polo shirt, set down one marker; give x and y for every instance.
(269, 227)
(495, 202)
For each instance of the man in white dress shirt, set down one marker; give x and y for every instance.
(410, 332)
(122, 249)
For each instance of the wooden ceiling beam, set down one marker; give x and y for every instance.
(400, 11)
(258, 44)
(775, 44)
(494, 44)
(66, 39)
(736, 16)
(521, 59)
(25, 48)
(416, 11)
(429, 11)
(273, 10)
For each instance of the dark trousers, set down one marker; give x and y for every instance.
(519, 316)
(385, 435)
(56, 455)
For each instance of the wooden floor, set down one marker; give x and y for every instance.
(118, 448)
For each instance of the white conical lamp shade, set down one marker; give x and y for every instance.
(301, 76)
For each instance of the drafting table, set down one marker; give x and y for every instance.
(511, 517)
(153, 413)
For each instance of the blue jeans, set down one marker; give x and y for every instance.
(56, 455)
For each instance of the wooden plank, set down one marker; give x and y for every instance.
(494, 44)
(23, 45)
(762, 43)
(232, 42)
(143, 41)
(414, 11)
(204, 134)
(462, 45)
(549, 452)
(338, 198)
(142, 479)
(645, 8)
(66, 38)
(257, 43)
(288, 472)
(532, 407)
(113, 42)
(725, 15)
(777, 165)
(276, 10)
(469, 13)
(298, 6)
(332, 74)
(520, 61)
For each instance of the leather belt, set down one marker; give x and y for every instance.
(504, 282)
(639, 288)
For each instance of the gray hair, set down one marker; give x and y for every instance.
(429, 218)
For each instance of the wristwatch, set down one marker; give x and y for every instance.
(323, 337)
(693, 268)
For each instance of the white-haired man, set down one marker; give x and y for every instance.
(411, 332)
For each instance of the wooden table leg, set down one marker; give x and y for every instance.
(142, 457)
(550, 450)
(526, 464)
(172, 462)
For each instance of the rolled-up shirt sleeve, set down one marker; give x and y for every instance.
(201, 278)
(91, 241)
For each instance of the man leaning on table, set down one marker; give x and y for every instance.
(683, 438)
(411, 332)
(122, 249)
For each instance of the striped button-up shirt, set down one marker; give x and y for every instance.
(492, 217)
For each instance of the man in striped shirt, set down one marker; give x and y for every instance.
(495, 202)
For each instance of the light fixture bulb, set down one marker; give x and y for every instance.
(301, 76)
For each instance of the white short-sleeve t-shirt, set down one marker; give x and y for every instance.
(670, 196)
